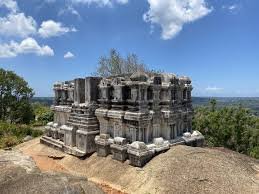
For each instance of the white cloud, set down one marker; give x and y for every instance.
(100, 2)
(17, 25)
(50, 1)
(213, 89)
(171, 15)
(9, 4)
(69, 9)
(69, 55)
(51, 28)
(234, 8)
(27, 46)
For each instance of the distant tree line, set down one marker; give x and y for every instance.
(235, 128)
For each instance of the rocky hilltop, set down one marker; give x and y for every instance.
(19, 174)
(181, 169)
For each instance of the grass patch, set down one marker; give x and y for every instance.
(13, 134)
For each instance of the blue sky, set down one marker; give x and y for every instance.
(215, 42)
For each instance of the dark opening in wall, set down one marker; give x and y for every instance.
(149, 93)
(142, 94)
(173, 94)
(111, 93)
(189, 95)
(184, 94)
(127, 93)
(157, 80)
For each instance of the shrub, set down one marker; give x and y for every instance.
(43, 114)
(37, 133)
(254, 152)
(10, 141)
(12, 134)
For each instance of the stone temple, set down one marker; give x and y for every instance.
(133, 116)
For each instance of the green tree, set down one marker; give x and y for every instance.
(43, 114)
(213, 104)
(232, 127)
(15, 95)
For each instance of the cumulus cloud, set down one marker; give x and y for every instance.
(27, 46)
(69, 55)
(99, 2)
(51, 28)
(17, 25)
(9, 4)
(171, 15)
(213, 89)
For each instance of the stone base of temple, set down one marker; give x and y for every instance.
(74, 151)
(59, 145)
(137, 152)
(85, 141)
(49, 141)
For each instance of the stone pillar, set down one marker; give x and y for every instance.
(91, 89)
(64, 94)
(57, 93)
(79, 91)
(70, 92)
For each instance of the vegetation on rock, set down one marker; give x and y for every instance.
(235, 128)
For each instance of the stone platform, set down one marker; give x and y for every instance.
(59, 145)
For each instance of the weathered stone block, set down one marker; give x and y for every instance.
(160, 145)
(119, 149)
(139, 154)
(103, 145)
(196, 139)
(69, 137)
(85, 141)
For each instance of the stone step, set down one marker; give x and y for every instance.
(83, 118)
(82, 122)
(74, 151)
(57, 144)
(84, 126)
(81, 115)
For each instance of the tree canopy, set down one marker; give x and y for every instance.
(115, 64)
(232, 127)
(15, 95)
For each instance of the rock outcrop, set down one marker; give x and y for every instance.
(19, 174)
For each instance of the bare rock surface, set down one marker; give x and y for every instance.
(181, 169)
(19, 174)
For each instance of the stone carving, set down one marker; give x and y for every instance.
(133, 116)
